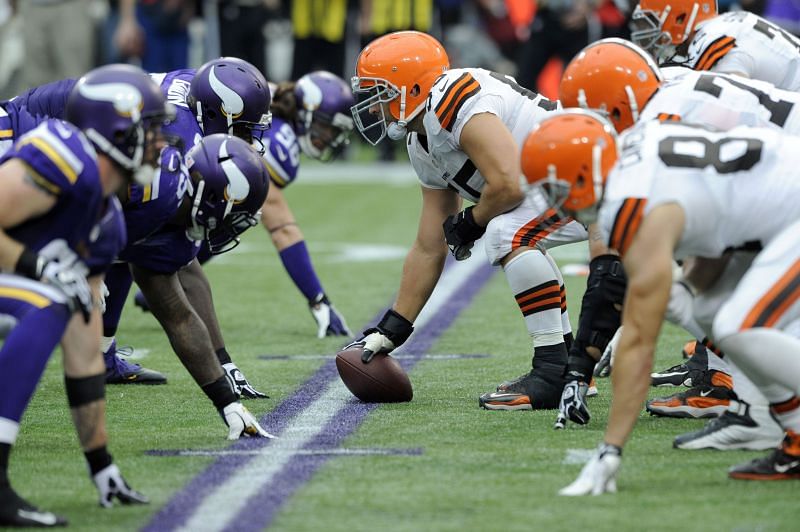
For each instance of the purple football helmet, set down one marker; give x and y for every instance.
(229, 95)
(121, 111)
(229, 185)
(323, 120)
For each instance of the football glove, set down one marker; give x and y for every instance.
(573, 405)
(57, 265)
(240, 384)
(241, 421)
(329, 321)
(110, 485)
(390, 333)
(599, 475)
(461, 231)
(606, 362)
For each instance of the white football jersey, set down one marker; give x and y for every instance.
(738, 189)
(455, 97)
(741, 42)
(724, 102)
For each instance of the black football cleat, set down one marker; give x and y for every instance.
(531, 391)
(17, 512)
(781, 464)
(120, 371)
(698, 402)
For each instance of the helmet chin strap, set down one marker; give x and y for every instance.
(396, 131)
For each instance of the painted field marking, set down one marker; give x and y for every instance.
(244, 492)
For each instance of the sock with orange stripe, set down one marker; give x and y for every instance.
(538, 293)
(787, 413)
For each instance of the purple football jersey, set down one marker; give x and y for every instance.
(282, 152)
(175, 86)
(49, 100)
(107, 239)
(62, 162)
(15, 122)
(153, 242)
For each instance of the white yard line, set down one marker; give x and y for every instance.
(224, 503)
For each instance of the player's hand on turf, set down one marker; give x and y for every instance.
(573, 405)
(241, 422)
(599, 475)
(606, 362)
(329, 321)
(110, 485)
(240, 384)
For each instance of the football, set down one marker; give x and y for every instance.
(380, 381)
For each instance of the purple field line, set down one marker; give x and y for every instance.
(262, 508)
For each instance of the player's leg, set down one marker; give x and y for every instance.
(752, 328)
(118, 369)
(512, 240)
(42, 316)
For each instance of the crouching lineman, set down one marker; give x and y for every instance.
(681, 191)
(59, 223)
(638, 92)
(212, 198)
(225, 95)
(462, 128)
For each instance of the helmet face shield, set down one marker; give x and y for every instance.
(369, 113)
(646, 31)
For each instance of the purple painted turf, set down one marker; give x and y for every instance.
(262, 508)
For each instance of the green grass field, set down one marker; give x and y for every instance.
(478, 470)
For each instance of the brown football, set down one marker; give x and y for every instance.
(380, 381)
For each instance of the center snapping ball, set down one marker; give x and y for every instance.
(382, 380)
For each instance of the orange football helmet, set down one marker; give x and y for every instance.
(399, 69)
(569, 156)
(659, 26)
(613, 77)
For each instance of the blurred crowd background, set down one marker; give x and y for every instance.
(45, 40)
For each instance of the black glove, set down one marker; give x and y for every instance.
(390, 333)
(461, 231)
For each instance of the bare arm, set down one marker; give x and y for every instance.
(648, 265)
(187, 333)
(198, 291)
(82, 358)
(425, 259)
(490, 146)
(278, 219)
(20, 200)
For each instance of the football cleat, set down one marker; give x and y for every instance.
(528, 392)
(742, 426)
(692, 372)
(17, 512)
(781, 464)
(699, 402)
(120, 371)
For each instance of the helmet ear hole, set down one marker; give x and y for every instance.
(211, 114)
(415, 90)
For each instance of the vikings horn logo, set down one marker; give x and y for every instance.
(232, 103)
(126, 99)
(238, 186)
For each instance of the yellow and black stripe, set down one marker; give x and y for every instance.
(783, 294)
(714, 52)
(538, 228)
(28, 296)
(629, 218)
(461, 90)
(546, 296)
